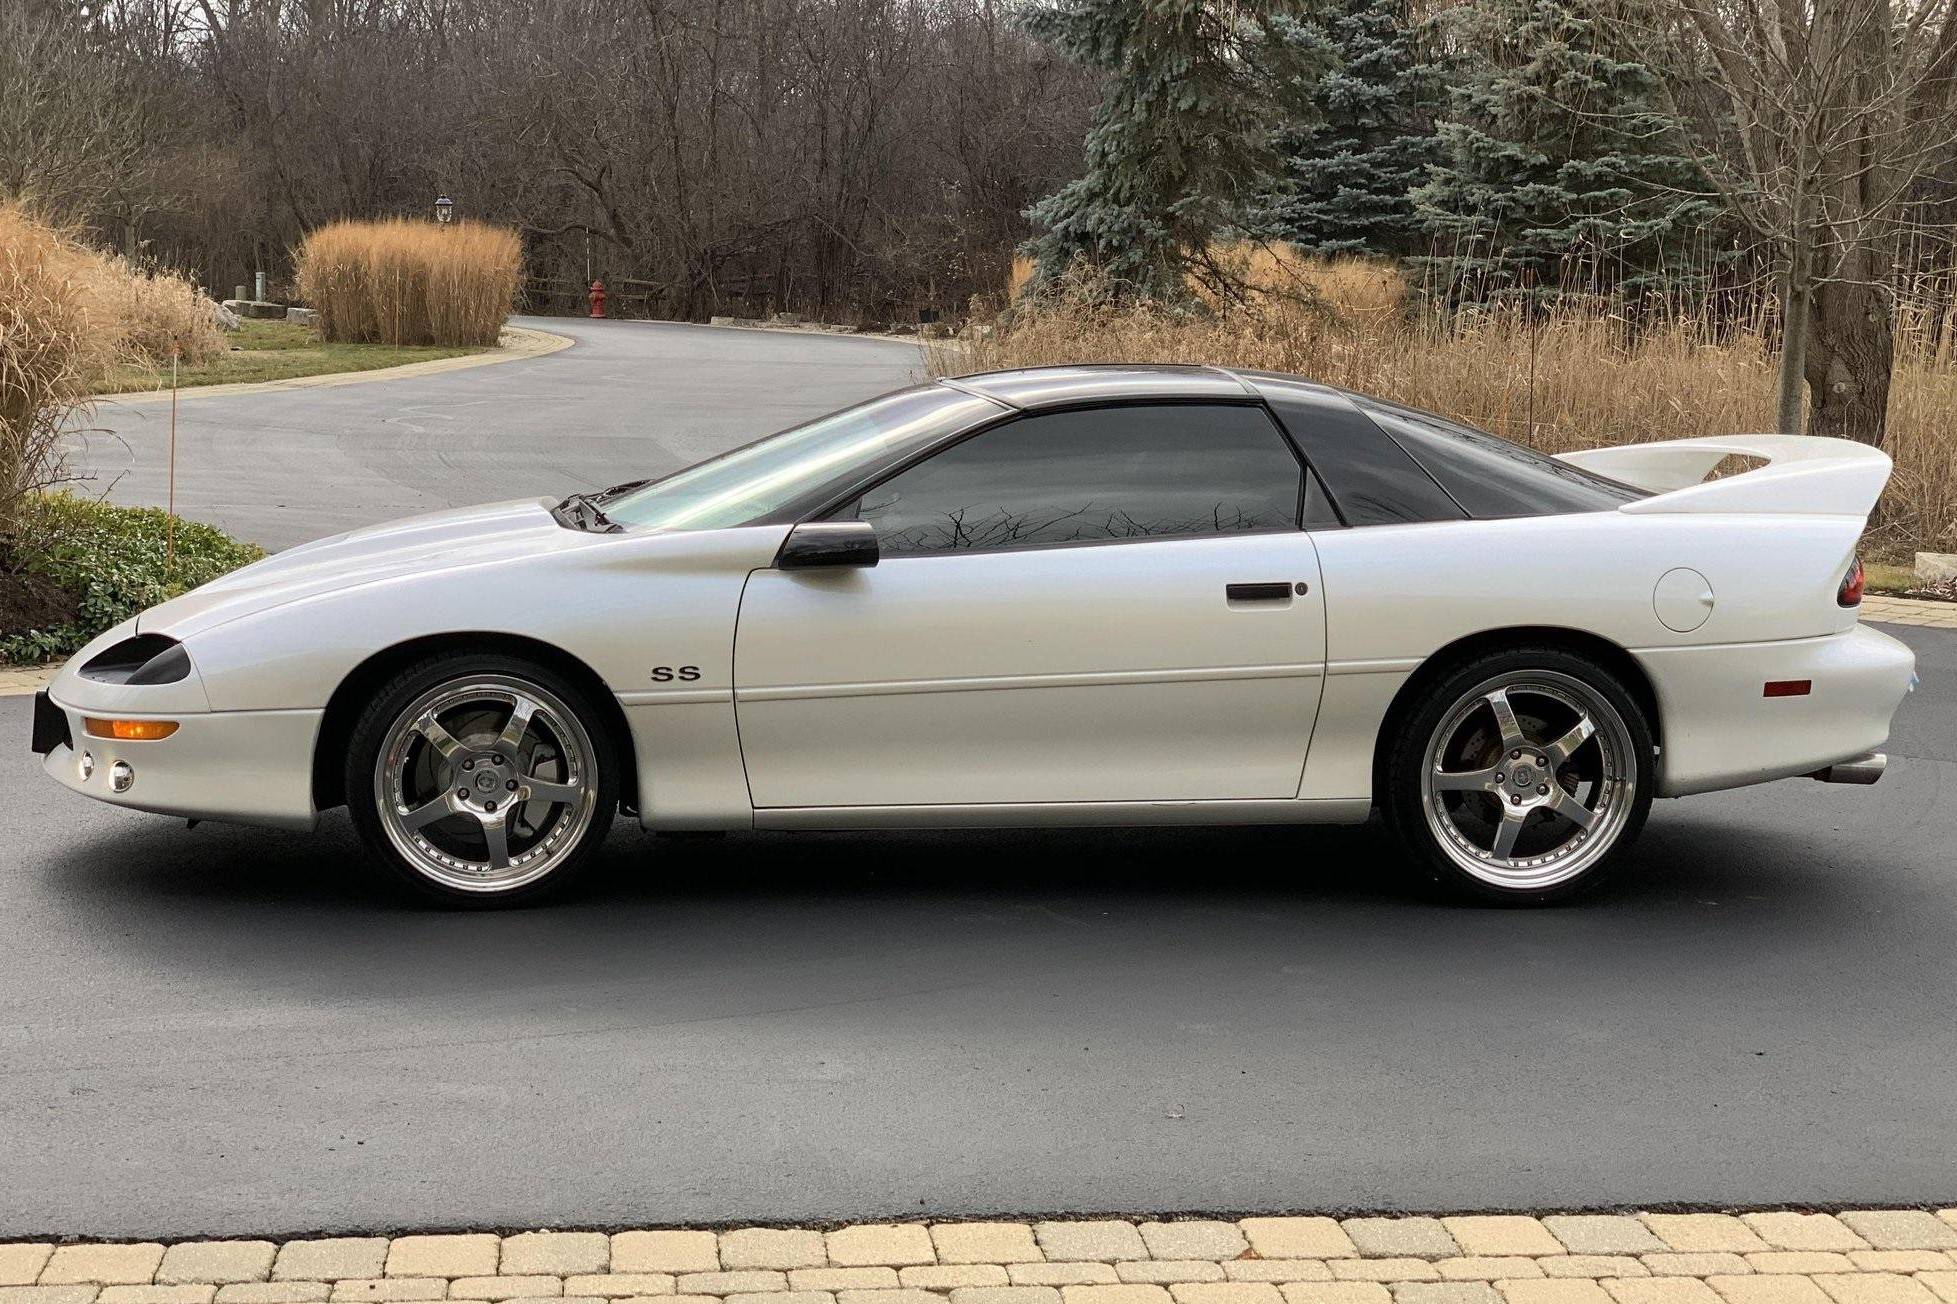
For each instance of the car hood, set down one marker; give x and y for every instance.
(468, 536)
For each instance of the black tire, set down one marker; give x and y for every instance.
(586, 762)
(1616, 766)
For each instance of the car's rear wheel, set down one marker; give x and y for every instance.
(482, 780)
(1522, 777)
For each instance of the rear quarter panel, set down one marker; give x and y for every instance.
(1397, 595)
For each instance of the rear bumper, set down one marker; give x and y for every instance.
(251, 767)
(1864, 769)
(1719, 730)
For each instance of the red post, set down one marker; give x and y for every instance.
(597, 298)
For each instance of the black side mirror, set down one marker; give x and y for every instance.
(828, 543)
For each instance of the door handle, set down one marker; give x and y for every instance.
(1280, 592)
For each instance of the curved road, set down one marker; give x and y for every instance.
(628, 399)
(237, 1031)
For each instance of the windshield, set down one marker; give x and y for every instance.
(752, 485)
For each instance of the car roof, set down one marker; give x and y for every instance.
(1033, 388)
(1372, 474)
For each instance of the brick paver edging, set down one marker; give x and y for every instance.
(1909, 611)
(1889, 1256)
(17, 680)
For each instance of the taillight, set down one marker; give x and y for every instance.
(1850, 593)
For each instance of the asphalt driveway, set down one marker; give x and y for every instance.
(224, 1029)
(629, 399)
(211, 1030)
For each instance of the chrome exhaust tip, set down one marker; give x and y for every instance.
(1864, 769)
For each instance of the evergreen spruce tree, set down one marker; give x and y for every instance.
(1182, 142)
(1554, 165)
(1350, 180)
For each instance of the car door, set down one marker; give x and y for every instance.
(1110, 604)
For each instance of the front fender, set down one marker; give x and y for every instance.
(621, 610)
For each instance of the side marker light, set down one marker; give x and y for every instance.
(129, 730)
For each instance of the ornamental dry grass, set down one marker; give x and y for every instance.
(67, 316)
(399, 281)
(1594, 378)
(57, 335)
(69, 313)
(162, 316)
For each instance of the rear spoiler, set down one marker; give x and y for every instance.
(1804, 475)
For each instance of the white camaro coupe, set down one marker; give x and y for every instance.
(1078, 595)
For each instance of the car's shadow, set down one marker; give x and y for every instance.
(231, 866)
(246, 880)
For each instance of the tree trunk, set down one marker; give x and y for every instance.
(1850, 354)
(1796, 326)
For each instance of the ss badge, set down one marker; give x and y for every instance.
(666, 674)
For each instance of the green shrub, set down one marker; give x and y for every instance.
(112, 560)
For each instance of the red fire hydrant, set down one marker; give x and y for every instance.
(597, 298)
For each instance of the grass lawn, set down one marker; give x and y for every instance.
(278, 350)
(1884, 578)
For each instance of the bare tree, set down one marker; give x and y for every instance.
(1815, 120)
(864, 159)
(74, 125)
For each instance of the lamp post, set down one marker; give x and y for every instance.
(444, 210)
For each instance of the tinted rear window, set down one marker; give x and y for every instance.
(1491, 477)
(1371, 479)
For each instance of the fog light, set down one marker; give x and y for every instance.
(87, 766)
(121, 776)
(129, 730)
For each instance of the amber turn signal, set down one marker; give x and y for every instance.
(129, 730)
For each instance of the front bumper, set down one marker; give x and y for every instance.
(1719, 730)
(251, 767)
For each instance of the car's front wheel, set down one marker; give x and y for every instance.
(482, 780)
(1521, 777)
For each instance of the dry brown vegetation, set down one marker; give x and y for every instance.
(68, 314)
(1574, 377)
(52, 346)
(853, 160)
(161, 316)
(399, 281)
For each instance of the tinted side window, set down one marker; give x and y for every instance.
(1492, 477)
(1371, 479)
(1097, 474)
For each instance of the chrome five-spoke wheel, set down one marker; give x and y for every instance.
(482, 783)
(1526, 778)
(485, 785)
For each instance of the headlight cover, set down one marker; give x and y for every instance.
(143, 659)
